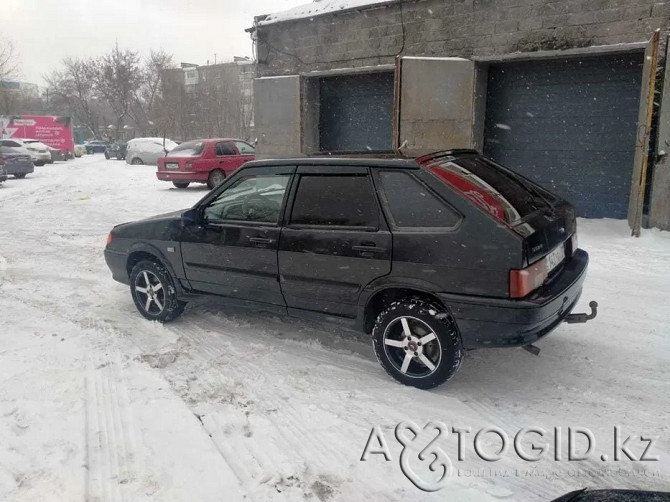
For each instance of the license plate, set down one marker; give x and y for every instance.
(172, 165)
(555, 258)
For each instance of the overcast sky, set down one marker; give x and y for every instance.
(46, 31)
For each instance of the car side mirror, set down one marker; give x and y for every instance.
(190, 217)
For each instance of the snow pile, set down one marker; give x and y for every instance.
(317, 9)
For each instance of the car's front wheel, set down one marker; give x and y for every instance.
(136, 161)
(22, 175)
(154, 293)
(181, 184)
(106, 155)
(417, 343)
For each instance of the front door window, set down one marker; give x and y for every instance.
(252, 199)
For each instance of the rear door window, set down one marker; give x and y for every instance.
(335, 201)
(225, 148)
(412, 205)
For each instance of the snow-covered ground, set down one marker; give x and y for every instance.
(97, 403)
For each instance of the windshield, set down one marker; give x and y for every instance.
(498, 191)
(188, 149)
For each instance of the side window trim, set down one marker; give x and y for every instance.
(386, 207)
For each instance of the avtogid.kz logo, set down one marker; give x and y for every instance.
(423, 462)
(426, 464)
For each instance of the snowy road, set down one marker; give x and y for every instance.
(97, 403)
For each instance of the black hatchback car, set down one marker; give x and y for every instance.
(116, 150)
(432, 256)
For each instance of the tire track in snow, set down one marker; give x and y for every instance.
(111, 434)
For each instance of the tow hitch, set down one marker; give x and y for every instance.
(571, 319)
(576, 318)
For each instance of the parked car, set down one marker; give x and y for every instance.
(96, 146)
(56, 154)
(39, 152)
(432, 256)
(15, 160)
(204, 161)
(147, 150)
(19, 147)
(116, 150)
(79, 150)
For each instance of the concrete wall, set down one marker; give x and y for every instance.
(465, 28)
(481, 30)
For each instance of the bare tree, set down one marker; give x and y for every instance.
(144, 111)
(118, 77)
(9, 61)
(73, 88)
(9, 66)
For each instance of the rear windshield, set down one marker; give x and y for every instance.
(498, 191)
(188, 149)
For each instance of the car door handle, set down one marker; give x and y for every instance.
(261, 240)
(368, 249)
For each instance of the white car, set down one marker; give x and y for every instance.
(79, 150)
(39, 152)
(148, 150)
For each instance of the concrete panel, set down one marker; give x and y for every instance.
(659, 205)
(277, 116)
(437, 105)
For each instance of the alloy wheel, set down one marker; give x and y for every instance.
(412, 347)
(150, 292)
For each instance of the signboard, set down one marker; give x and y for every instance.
(53, 131)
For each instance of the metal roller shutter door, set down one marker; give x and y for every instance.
(570, 125)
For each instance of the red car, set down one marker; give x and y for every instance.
(204, 161)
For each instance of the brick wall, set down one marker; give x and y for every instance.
(465, 28)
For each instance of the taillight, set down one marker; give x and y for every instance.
(109, 239)
(525, 281)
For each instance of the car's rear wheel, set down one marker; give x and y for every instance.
(22, 175)
(417, 343)
(106, 155)
(153, 292)
(181, 184)
(136, 161)
(215, 178)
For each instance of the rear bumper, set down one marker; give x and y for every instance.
(19, 168)
(496, 322)
(191, 176)
(116, 261)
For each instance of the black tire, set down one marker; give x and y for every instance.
(106, 155)
(181, 184)
(395, 352)
(136, 161)
(215, 178)
(22, 175)
(158, 301)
